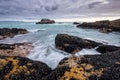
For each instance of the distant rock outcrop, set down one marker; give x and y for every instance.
(105, 26)
(76, 23)
(46, 21)
(11, 32)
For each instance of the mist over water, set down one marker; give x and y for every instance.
(43, 39)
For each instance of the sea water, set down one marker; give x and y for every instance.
(43, 38)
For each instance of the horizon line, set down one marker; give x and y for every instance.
(90, 19)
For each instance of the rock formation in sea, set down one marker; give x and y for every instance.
(16, 49)
(73, 44)
(105, 26)
(11, 32)
(76, 23)
(46, 21)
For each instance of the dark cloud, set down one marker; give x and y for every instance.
(59, 8)
(94, 4)
(51, 8)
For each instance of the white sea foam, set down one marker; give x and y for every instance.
(47, 54)
(35, 30)
(87, 52)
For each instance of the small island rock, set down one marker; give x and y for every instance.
(46, 21)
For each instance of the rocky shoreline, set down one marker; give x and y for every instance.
(105, 66)
(104, 26)
(11, 32)
(17, 49)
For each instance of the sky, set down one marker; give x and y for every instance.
(60, 10)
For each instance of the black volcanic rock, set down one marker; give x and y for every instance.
(112, 73)
(19, 68)
(73, 44)
(11, 32)
(92, 67)
(104, 26)
(46, 21)
(56, 73)
(107, 48)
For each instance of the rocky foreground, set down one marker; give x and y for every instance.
(17, 49)
(105, 26)
(46, 21)
(19, 68)
(105, 66)
(11, 32)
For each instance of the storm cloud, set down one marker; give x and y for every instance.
(58, 8)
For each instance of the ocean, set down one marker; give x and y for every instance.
(42, 36)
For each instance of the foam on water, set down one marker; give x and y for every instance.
(87, 52)
(47, 54)
(35, 30)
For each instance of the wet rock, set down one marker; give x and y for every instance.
(107, 48)
(104, 26)
(19, 68)
(92, 67)
(73, 44)
(112, 73)
(56, 74)
(7, 32)
(46, 21)
(17, 49)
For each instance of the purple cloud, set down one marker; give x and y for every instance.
(58, 8)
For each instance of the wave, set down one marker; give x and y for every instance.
(36, 30)
(47, 54)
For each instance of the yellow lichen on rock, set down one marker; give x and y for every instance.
(76, 73)
(81, 72)
(16, 69)
(3, 62)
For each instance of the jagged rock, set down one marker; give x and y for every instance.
(73, 44)
(105, 26)
(19, 68)
(92, 67)
(56, 73)
(18, 49)
(112, 73)
(46, 21)
(7, 32)
(107, 48)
